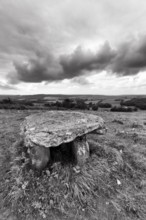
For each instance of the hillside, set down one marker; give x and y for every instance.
(111, 185)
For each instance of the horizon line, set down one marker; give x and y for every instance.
(45, 94)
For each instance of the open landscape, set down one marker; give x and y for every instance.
(72, 110)
(60, 102)
(111, 184)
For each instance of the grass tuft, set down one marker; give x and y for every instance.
(59, 188)
(110, 185)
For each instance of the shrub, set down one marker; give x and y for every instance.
(137, 102)
(104, 105)
(7, 101)
(95, 107)
(68, 103)
(80, 104)
(121, 109)
(47, 104)
(28, 103)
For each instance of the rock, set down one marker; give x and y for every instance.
(81, 150)
(118, 182)
(118, 121)
(39, 156)
(48, 173)
(52, 128)
(55, 128)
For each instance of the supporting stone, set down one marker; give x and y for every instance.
(81, 150)
(39, 156)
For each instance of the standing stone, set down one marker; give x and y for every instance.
(80, 150)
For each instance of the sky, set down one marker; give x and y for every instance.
(72, 47)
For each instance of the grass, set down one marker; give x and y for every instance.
(111, 185)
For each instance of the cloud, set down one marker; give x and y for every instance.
(46, 67)
(81, 60)
(7, 87)
(34, 33)
(130, 58)
(37, 69)
(127, 59)
(81, 81)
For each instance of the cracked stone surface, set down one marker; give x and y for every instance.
(53, 128)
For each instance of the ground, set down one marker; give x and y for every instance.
(117, 164)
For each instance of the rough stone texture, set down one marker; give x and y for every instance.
(39, 156)
(80, 150)
(52, 128)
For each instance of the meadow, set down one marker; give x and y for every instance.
(110, 186)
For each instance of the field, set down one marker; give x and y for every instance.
(111, 186)
(82, 102)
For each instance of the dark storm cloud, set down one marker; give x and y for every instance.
(45, 67)
(80, 61)
(37, 69)
(128, 59)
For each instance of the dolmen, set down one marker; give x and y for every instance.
(50, 129)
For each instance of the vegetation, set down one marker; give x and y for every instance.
(73, 102)
(111, 185)
(69, 104)
(95, 107)
(123, 109)
(8, 103)
(137, 102)
(104, 105)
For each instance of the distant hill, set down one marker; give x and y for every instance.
(63, 96)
